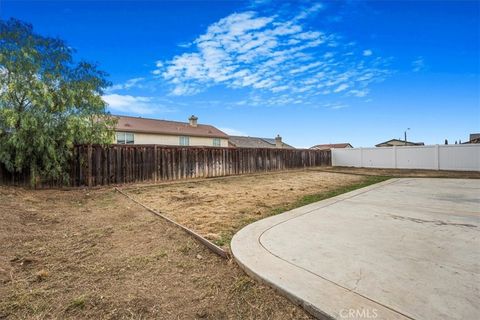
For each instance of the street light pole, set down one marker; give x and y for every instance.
(405, 134)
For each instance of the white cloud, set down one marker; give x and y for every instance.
(328, 55)
(358, 93)
(279, 88)
(135, 82)
(341, 88)
(273, 55)
(367, 52)
(185, 45)
(309, 11)
(256, 3)
(306, 67)
(334, 105)
(233, 132)
(418, 64)
(132, 104)
(182, 90)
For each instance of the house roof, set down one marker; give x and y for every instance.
(474, 140)
(474, 136)
(272, 142)
(332, 145)
(409, 143)
(255, 142)
(146, 125)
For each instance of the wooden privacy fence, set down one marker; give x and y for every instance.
(17, 178)
(116, 164)
(94, 165)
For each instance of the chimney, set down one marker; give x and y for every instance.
(193, 121)
(278, 141)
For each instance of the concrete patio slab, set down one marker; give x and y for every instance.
(401, 249)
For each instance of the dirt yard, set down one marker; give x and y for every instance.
(95, 254)
(217, 208)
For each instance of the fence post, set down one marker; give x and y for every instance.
(155, 162)
(395, 157)
(89, 163)
(73, 167)
(437, 157)
(361, 157)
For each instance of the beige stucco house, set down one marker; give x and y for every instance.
(136, 130)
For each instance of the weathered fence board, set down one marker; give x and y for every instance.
(93, 165)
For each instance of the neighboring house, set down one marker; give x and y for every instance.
(136, 130)
(398, 142)
(332, 145)
(255, 142)
(474, 138)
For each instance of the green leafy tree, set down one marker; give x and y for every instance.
(48, 103)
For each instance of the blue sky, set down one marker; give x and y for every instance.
(312, 71)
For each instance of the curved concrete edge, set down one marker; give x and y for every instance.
(318, 296)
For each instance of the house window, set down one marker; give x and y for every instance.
(216, 142)
(184, 141)
(125, 138)
(129, 138)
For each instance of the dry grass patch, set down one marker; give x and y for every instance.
(218, 208)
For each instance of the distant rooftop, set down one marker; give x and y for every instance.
(332, 145)
(255, 142)
(398, 142)
(474, 136)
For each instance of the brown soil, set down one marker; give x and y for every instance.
(404, 173)
(217, 208)
(95, 254)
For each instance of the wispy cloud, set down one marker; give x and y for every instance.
(341, 88)
(257, 3)
(185, 45)
(418, 64)
(131, 83)
(309, 11)
(367, 52)
(334, 105)
(359, 93)
(275, 56)
(134, 104)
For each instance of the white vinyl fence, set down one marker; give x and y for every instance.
(464, 157)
